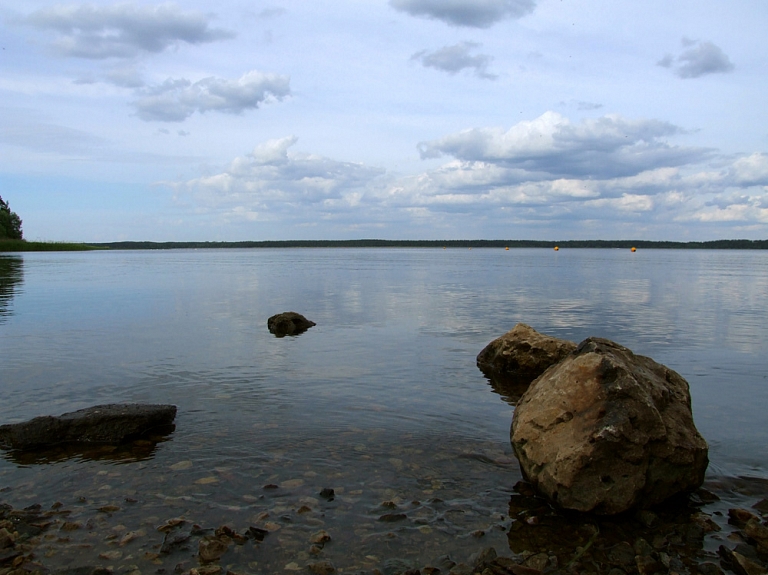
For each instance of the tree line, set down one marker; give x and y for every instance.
(10, 223)
(374, 243)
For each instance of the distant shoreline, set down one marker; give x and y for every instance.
(372, 243)
(25, 246)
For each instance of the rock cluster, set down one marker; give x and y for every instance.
(596, 428)
(110, 424)
(288, 323)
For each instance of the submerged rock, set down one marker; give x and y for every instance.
(515, 359)
(606, 430)
(288, 323)
(109, 424)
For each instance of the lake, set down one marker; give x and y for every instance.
(381, 401)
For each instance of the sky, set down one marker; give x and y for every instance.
(391, 119)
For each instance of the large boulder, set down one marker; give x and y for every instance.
(606, 430)
(110, 424)
(515, 359)
(288, 323)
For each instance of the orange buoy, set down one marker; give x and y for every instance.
(634, 249)
(557, 249)
(507, 248)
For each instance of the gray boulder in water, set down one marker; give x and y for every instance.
(521, 355)
(288, 323)
(109, 424)
(605, 431)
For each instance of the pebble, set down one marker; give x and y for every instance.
(392, 517)
(111, 555)
(322, 568)
(211, 548)
(321, 536)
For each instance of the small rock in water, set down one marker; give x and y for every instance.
(322, 568)
(173, 541)
(392, 517)
(321, 536)
(171, 524)
(288, 323)
(257, 533)
(739, 517)
(109, 508)
(212, 548)
(761, 506)
(327, 493)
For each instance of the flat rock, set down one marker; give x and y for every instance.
(515, 359)
(605, 431)
(108, 424)
(288, 323)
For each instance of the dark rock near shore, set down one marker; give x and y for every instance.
(605, 431)
(515, 359)
(107, 424)
(288, 323)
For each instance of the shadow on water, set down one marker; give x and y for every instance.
(510, 389)
(11, 275)
(138, 449)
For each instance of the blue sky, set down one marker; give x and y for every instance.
(395, 119)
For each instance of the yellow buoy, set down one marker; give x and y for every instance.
(557, 249)
(507, 248)
(634, 249)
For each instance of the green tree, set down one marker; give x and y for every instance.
(10, 223)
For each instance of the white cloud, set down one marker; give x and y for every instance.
(454, 59)
(470, 13)
(176, 99)
(123, 30)
(750, 171)
(552, 147)
(700, 59)
(273, 180)
(496, 178)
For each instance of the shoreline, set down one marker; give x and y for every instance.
(10, 246)
(136, 534)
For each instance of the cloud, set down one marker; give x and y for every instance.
(176, 99)
(273, 179)
(125, 77)
(700, 59)
(552, 146)
(123, 30)
(454, 59)
(547, 173)
(470, 13)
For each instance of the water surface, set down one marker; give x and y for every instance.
(381, 401)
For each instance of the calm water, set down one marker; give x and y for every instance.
(381, 401)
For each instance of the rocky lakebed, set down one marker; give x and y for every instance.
(607, 476)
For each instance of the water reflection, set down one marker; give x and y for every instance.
(141, 449)
(11, 274)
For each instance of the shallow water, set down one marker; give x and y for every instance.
(381, 401)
